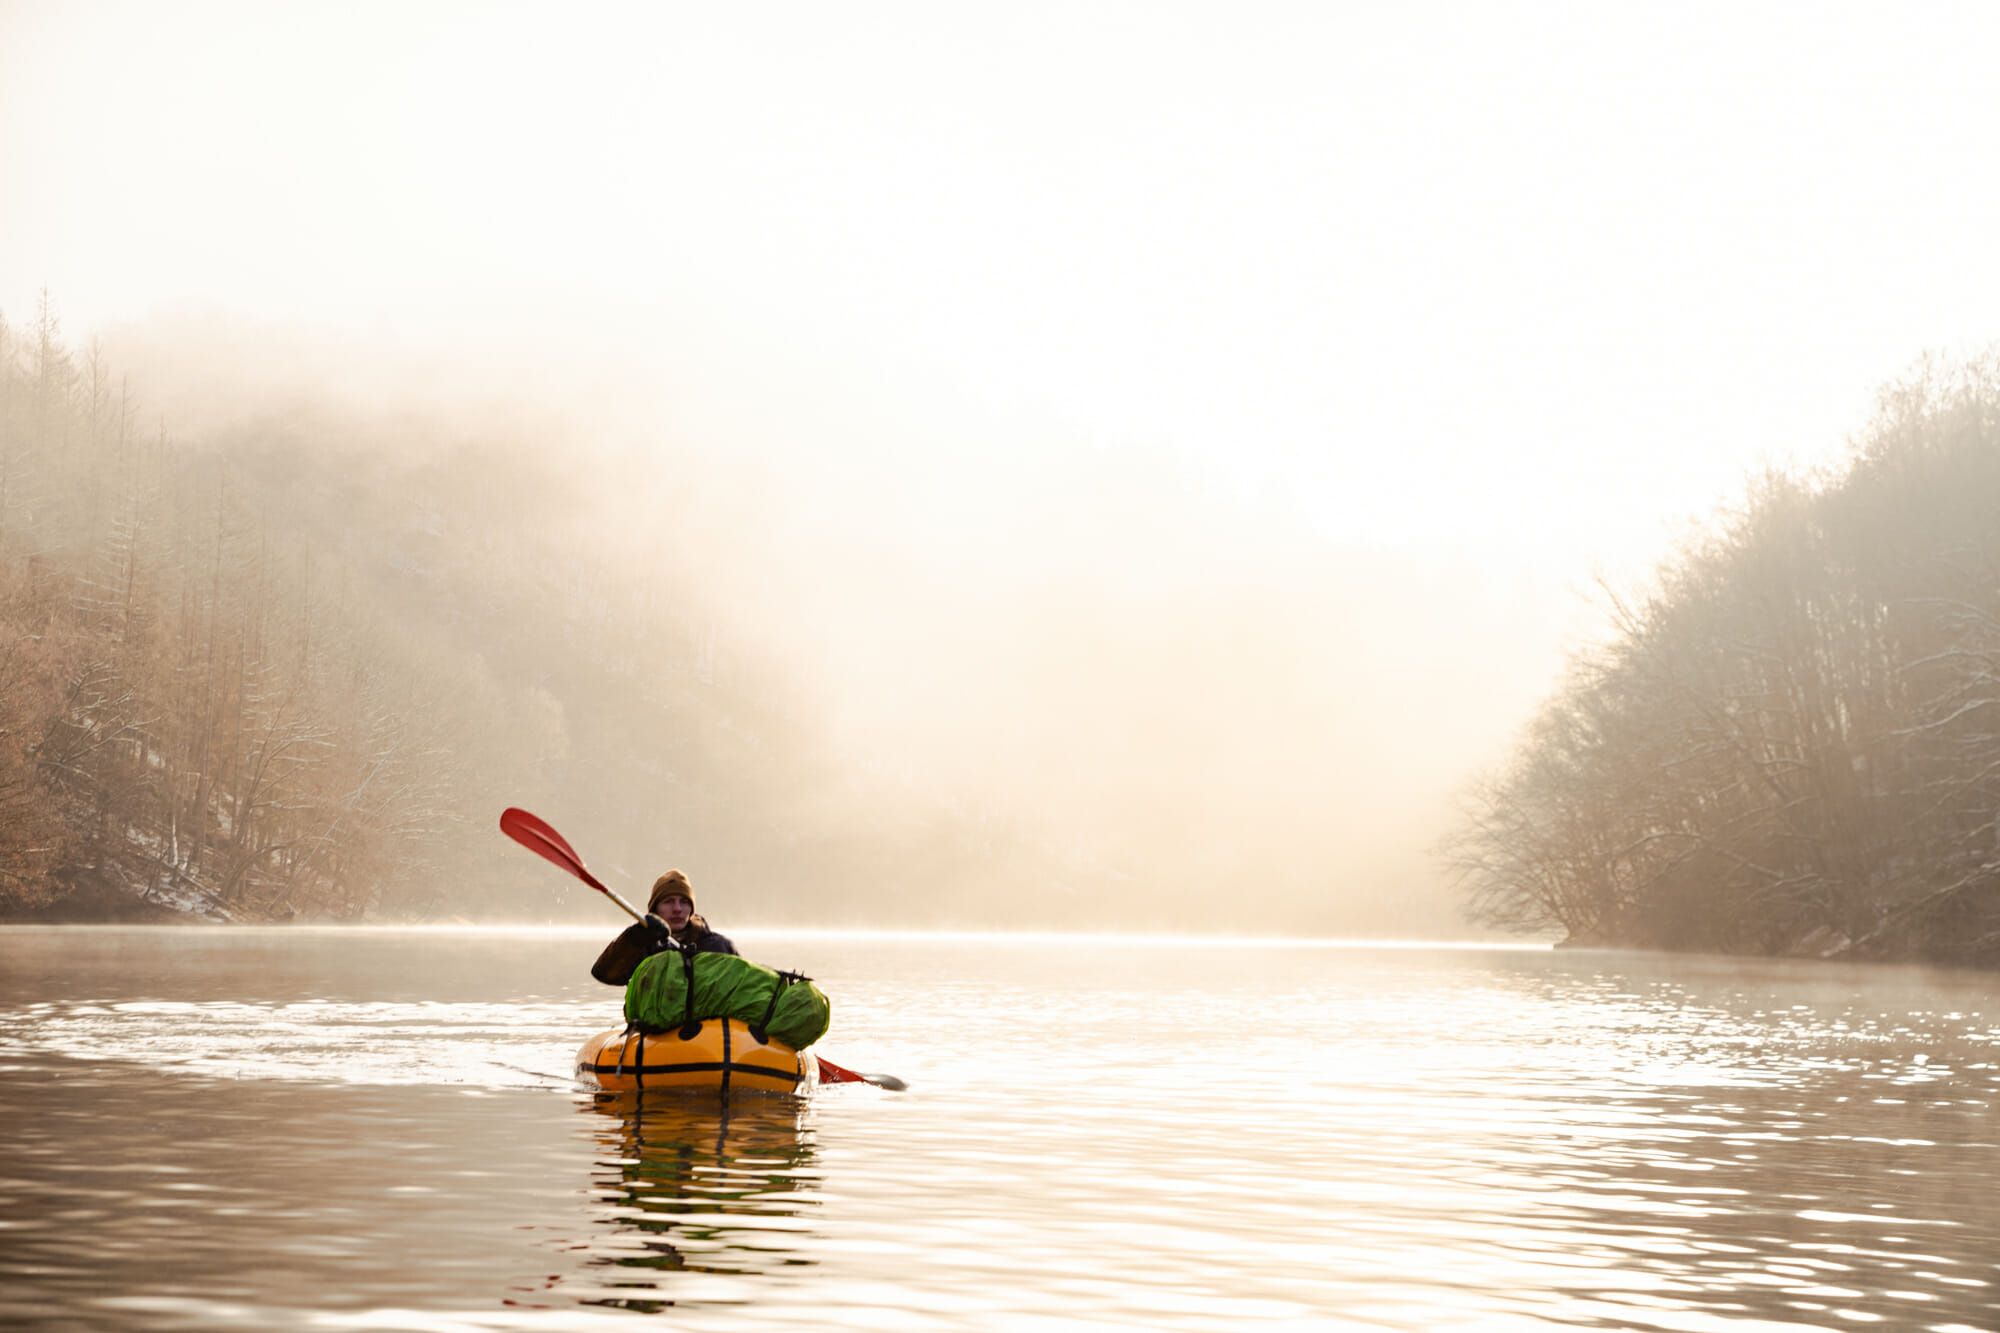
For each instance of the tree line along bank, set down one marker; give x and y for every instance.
(1790, 742)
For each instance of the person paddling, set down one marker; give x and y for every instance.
(670, 923)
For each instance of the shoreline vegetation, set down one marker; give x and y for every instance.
(1790, 743)
(238, 679)
(294, 668)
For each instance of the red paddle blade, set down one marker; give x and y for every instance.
(829, 1072)
(538, 837)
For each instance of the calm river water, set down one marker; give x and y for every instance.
(350, 1130)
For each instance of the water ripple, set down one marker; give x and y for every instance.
(1153, 1135)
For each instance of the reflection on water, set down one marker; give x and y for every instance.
(697, 1184)
(234, 1130)
(1828, 1203)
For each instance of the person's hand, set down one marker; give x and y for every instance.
(657, 928)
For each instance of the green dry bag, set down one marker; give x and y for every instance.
(786, 1006)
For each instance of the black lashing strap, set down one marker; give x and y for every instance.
(638, 1056)
(690, 1025)
(762, 1027)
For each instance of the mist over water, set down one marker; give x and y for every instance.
(1176, 692)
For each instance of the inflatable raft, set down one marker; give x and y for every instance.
(722, 1056)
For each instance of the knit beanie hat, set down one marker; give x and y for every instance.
(673, 881)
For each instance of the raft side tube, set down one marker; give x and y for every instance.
(723, 1056)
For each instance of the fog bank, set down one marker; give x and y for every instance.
(1203, 711)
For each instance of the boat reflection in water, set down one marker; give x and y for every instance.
(700, 1192)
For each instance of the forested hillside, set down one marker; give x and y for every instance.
(297, 667)
(1792, 742)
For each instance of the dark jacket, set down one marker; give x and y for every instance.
(642, 939)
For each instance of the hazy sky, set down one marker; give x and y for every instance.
(1509, 288)
(1500, 272)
